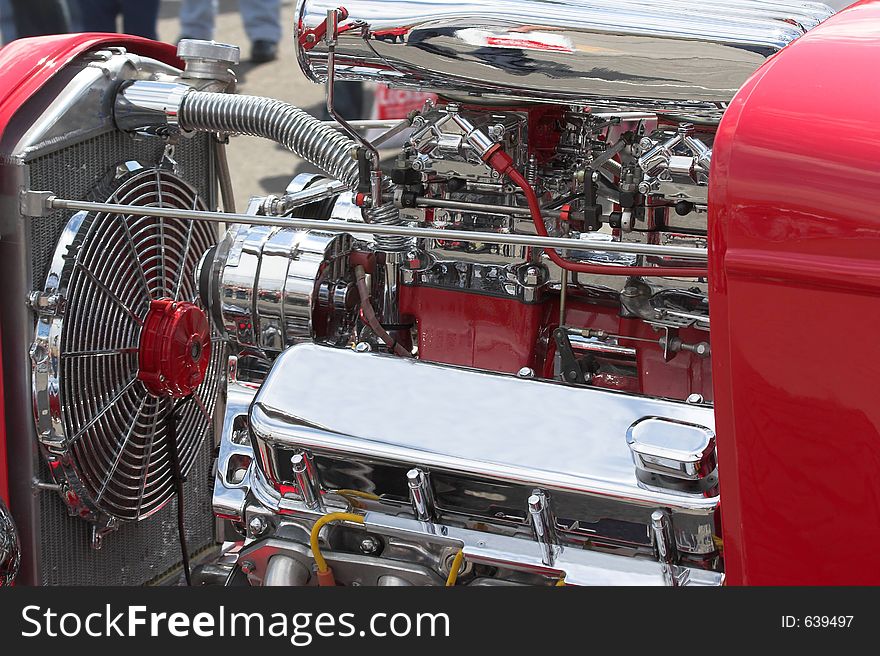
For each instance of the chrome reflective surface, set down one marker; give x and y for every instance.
(10, 549)
(486, 440)
(422, 544)
(667, 55)
(672, 448)
(270, 288)
(235, 454)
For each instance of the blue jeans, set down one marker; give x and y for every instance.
(138, 16)
(261, 18)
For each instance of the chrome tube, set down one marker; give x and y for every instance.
(483, 208)
(667, 56)
(560, 243)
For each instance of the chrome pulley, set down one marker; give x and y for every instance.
(120, 338)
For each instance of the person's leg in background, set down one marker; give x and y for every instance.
(197, 19)
(99, 15)
(38, 17)
(139, 17)
(262, 22)
(7, 22)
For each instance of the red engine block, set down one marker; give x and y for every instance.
(505, 335)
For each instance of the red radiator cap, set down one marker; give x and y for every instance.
(175, 348)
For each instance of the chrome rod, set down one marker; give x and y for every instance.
(367, 124)
(698, 254)
(481, 208)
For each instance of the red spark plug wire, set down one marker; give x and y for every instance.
(500, 161)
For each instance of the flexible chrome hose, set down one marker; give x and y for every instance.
(315, 141)
(302, 134)
(388, 214)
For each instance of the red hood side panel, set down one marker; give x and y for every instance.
(795, 294)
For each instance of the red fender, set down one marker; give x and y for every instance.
(795, 295)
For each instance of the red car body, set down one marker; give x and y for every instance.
(794, 229)
(795, 295)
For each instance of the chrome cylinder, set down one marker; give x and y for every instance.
(543, 526)
(305, 481)
(150, 106)
(667, 56)
(420, 494)
(284, 571)
(270, 288)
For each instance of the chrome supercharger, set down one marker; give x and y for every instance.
(569, 143)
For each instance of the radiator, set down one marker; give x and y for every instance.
(56, 547)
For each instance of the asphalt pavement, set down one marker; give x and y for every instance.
(257, 166)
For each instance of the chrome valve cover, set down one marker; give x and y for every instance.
(667, 56)
(486, 443)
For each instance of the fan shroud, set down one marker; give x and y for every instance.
(103, 432)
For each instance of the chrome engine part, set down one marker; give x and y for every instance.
(601, 463)
(490, 346)
(669, 57)
(270, 288)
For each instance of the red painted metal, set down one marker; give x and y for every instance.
(795, 296)
(473, 330)
(175, 348)
(504, 335)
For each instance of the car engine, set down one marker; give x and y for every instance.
(481, 356)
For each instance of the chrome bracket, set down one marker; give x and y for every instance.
(35, 203)
(46, 305)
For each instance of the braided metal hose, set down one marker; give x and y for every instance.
(305, 136)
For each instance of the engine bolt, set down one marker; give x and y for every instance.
(369, 546)
(258, 526)
(526, 372)
(363, 347)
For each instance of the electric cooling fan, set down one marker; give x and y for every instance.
(120, 339)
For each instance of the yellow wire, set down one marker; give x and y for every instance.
(453, 569)
(316, 530)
